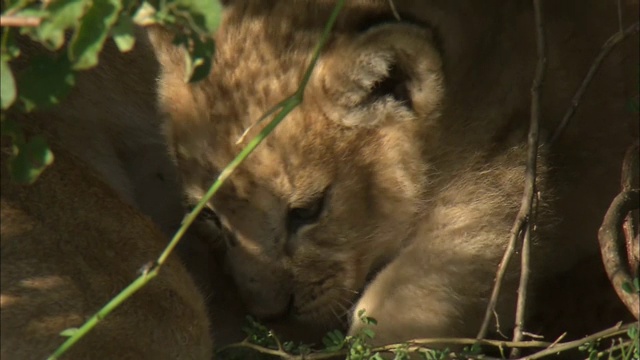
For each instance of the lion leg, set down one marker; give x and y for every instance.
(430, 292)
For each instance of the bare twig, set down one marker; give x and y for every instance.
(610, 237)
(498, 329)
(411, 346)
(616, 330)
(614, 40)
(277, 341)
(532, 335)
(619, 7)
(530, 180)
(19, 21)
(557, 341)
(608, 352)
(261, 349)
(518, 330)
(523, 219)
(415, 345)
(394, 10)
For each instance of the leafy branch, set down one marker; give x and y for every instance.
(75, 32)
(151, 270)
(357, 347)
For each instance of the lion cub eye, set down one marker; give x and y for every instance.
(207, 214)
(298, 217)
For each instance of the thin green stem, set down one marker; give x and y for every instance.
(5, 39)
(287, 106)
(224, 175)
(136, 285)
(318, 49)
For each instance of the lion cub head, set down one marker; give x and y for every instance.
(331, 195)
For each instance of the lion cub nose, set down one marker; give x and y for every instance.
(272, 308)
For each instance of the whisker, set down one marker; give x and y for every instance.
(333, 311)
(348, 290)
(344, 309)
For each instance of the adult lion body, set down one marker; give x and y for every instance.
(74, 239)
(395, 184)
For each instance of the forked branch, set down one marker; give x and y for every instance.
(522, 228)
(611, 43)
(416, 345)
(530, 180)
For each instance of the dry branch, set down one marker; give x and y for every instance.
(610, 237)
(530, 180)
(614, 40)
(392, 5)
(616, 330)
(411, 346)
(19, 21)
(620, 227)
(522, 225)
(549, 348)
(518, 330)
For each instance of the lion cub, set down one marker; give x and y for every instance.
(394, 185)
(77, 237)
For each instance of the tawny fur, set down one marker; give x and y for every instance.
(414, 135)
(69, 244)
(123, 143)
(77, 237)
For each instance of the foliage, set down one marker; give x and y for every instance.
(76, 31)
(196, 20)
(621, 342)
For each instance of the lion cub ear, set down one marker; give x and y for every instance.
(391, 72)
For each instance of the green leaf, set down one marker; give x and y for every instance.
(89, 38)
(69, 332)
(474, 349)
(328, 340)
(626, 287)
(366, 319)
(12, 50)
(203, 15)
(333, 341)
(8, 84)
(31, 160)
(369, 333)
(46, 82)
(123, 34)
(199, 60)
(61, 15)
(145, 15)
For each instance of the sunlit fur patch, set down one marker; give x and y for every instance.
(43, 282)
(8, 300)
